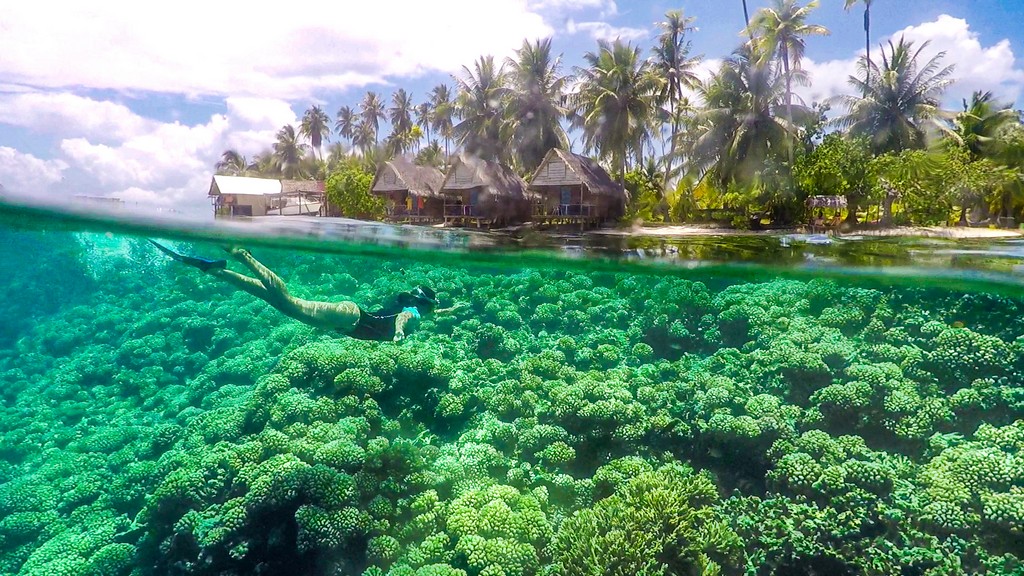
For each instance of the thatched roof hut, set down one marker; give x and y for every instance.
(571, 185)
(478, 190)
(834, 202)
(400, 174)
(412, 191)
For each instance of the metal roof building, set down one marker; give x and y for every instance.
(247, 196)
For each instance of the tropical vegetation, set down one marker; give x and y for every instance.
(737, 139)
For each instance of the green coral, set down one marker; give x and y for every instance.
(159, 424)
(660, 522)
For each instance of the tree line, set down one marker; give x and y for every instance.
(740, 138)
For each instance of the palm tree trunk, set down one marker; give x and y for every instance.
(672, 142)
(789, 98)
(867, 44)
(746, 17)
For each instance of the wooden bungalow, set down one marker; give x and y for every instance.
(413, 192)
(246, 196)
(480, 192)
(569, 188)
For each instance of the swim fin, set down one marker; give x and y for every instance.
(204, 264)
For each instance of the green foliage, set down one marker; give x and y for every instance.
(348, 191)
(837, 166)
(645, 197)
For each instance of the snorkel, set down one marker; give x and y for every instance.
(421, 297)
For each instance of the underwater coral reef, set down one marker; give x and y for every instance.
(155, 421)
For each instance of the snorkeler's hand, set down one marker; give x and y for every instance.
(455, 308)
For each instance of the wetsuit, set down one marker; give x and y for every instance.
(380, 325)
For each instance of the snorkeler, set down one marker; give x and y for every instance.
(389, 323)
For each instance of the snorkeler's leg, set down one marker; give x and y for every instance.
(204, 264)
(265, 275)
(242, 282)
(334, 315)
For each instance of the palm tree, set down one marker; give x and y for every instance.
(336, 155)
(346, 124)
(316, 125)
(431, 155)
(535, 109)
(614, 106)
(364, 136)
(482, 95)
(1011, 154)
(263, 164)
(443, 111)
(675, 68)
(424, 115)
(984, 129)
(399, 143)
(288, 152)
(901, 96)
(982, 124)
(746, 18)
(867, 32)
(231, 163)
(371, 112)
(738, 130)
(780, 31)
(401, 111)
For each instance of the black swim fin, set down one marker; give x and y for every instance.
(204, 264)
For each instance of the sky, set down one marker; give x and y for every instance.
(127, 100)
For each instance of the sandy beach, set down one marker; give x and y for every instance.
(949, 232)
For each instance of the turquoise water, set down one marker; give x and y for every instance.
(753, 405)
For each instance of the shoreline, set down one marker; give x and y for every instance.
(944, 232)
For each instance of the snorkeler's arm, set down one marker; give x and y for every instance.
(457, 307)
(400, 321)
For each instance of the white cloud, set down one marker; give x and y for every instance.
(605, 8)
(978, 67)
(605, 31)
(112, 151)
(25, 175)
(171, 163)
(202, 47)
(14, 88)
(70, 115)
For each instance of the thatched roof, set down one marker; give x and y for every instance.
(837, 202)
(468, 172)
(295, 186)
(584, 171)
(418, 180)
